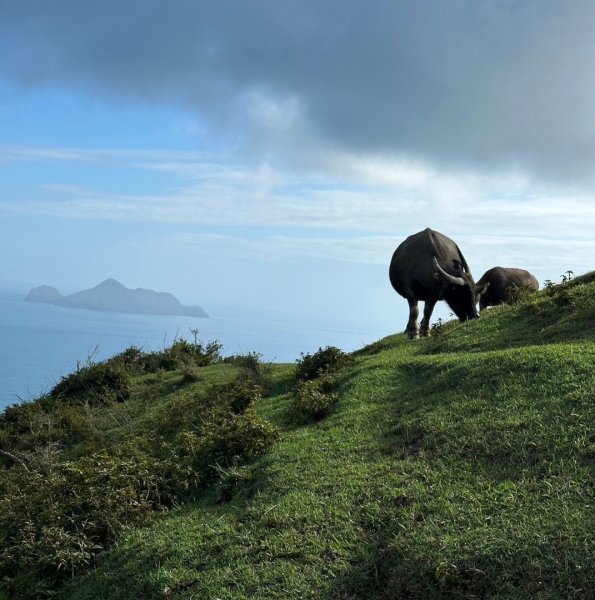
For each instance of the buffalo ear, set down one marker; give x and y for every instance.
(482, 289)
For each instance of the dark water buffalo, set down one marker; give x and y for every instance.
(429, 266)
(501, 284)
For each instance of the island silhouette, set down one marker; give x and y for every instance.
(111, 295)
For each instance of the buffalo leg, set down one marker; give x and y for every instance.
(412, 330)
(425, 323)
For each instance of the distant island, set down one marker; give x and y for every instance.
(111, 295)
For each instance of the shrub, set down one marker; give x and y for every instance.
(250, 436)
(70, 484)
(130, 360)
(227, 438)
(315, 399)
(228, 431)
(195, 352)
(181, 354)
(323, 361)
(560, 293)
(100, 383)
(34, 433)
(52, 524)
(252, 369)
(190, 374)
(249, 361)
(238, 395)
(520, 295)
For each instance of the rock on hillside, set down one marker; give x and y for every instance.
(111, 295)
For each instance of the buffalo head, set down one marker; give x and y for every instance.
(460, 291)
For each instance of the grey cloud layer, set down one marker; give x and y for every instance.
(473, 83)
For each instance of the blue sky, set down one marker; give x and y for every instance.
(273, 155)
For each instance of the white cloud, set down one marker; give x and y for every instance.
(358, 213)
(547, 258)
(278, 248)
(113, 155)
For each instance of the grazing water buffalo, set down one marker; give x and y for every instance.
(429, 266)
(501, 285)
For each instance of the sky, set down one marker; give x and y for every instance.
(273, 154)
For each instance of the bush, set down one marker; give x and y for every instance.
(228, 439)
(52, 524)
(196, 353)
(130, 360)
(237, 395)
(190, 374)
(72, 478)
(252, 369)
(326, 360)
(250, 361)
(101, 383)
(229, 430)
(520, 295)
(182, 354)
(315, 399)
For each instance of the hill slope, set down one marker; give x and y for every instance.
(457, 466)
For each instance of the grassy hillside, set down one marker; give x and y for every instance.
(457, 466)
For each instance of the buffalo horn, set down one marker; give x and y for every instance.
(451, 278)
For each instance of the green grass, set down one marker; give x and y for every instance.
(457, 466)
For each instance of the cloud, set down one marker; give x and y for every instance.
(357, 214)
(279, 248)
(31, 154)
(470, 84)
(375, 194)
(350, 193)
(547, 258)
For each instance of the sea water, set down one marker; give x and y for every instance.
(40, 343)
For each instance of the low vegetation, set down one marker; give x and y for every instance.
(325, 361)
(107, 450)
(317, 379)
(461, 465)
(315, 398)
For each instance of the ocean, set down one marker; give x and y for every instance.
(39, 343)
